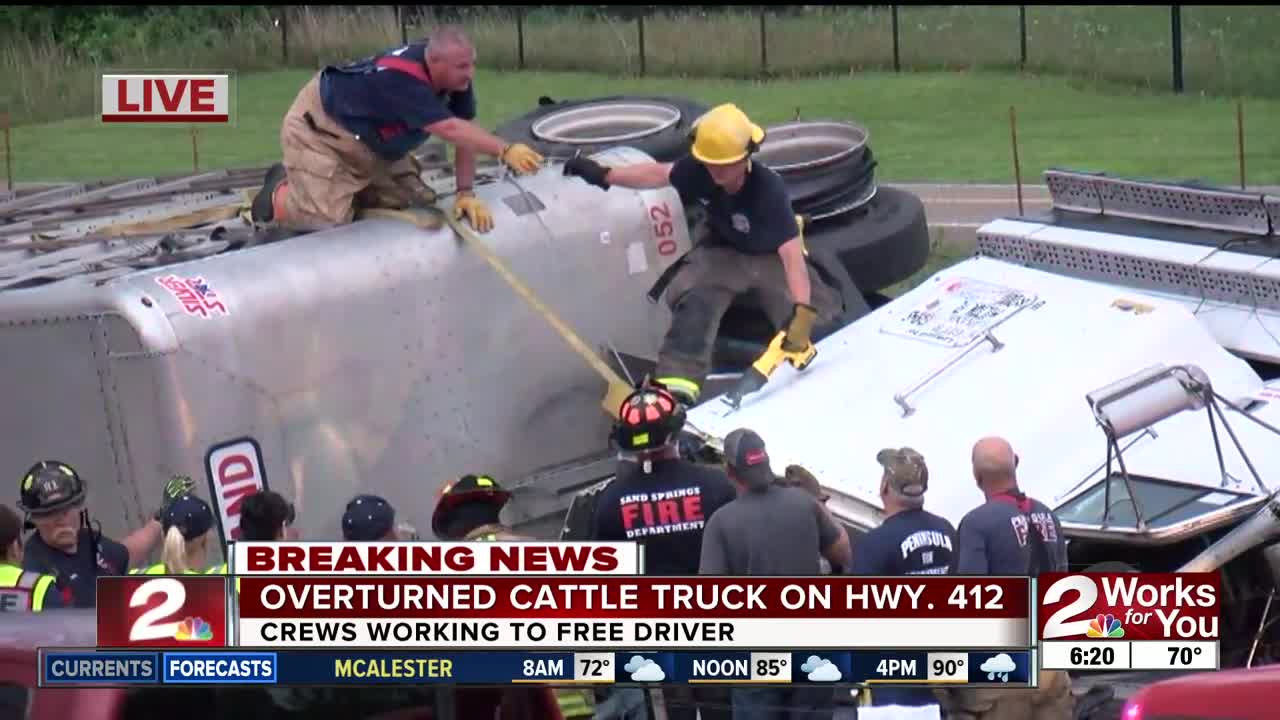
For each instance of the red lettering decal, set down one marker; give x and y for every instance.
(291, 559)
(122, 90)
(243, 469)
(668, 511)
(172, 103)
(630, 513)
(202, 95)
(146, 94)
(693, 508)
(260, 558)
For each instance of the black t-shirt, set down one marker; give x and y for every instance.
(388, 99)
(665, 511)
(994, 538)
(912, 542)
(756, 220)
(77, 575)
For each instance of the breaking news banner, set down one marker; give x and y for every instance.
(90, 668)
(1129, 621)
(652, 612)
(169, 97)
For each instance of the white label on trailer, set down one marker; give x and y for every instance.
(235, 471)
(960, 312)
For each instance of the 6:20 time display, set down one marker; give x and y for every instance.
(1093, 656)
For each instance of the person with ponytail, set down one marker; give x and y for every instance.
(185, 545)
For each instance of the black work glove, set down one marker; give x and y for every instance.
(589, 170)
(177, 486)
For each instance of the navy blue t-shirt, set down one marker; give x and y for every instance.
(912, 542)
(756, 220)
(665, 511)
(77, 575)
(994, 538)
(386, 100)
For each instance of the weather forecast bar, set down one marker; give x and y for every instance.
(1175, 655)
(1086, 655)
(93, 668)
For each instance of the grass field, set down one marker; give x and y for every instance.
(924, 126)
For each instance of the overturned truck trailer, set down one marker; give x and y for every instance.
(1127, 343)
(377, 357)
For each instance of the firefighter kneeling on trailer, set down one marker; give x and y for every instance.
(468, 509)
(751, 240)
(66, 545)
(21, 590)
(348, 137)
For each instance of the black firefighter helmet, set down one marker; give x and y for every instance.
(467, 489)
(50, 486)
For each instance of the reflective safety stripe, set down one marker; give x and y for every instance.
(34, 585)
(574, 703)
(686, 387)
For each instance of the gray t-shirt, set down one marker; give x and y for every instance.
(779, 531)
(993, 538)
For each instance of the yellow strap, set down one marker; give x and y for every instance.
(178, 222)
(618, 388)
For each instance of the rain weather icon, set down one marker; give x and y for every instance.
(193, 630)
(1000, 665)
(1105, 626)
(643, 669)
(820, 669)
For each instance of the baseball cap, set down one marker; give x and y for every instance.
(192, 516)
(745, 454)
(368, 517)
(904, 471)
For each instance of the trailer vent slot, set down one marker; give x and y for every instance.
(524, 203)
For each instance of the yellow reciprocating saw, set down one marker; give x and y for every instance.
(758, 374)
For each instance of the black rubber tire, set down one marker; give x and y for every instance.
(809, 187)
(665, 146)
(883, 243)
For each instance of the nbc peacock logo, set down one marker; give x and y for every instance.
(1105, 626)
(195, 629)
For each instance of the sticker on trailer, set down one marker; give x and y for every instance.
(662, 228)
(960, 312)
(195, 295)
(235, 470)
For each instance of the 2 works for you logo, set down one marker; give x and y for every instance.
(170, 97)
(1132, 606)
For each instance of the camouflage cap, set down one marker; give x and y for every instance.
(905, 472)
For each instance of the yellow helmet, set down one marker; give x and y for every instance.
(724, 135)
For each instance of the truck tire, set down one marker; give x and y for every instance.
(657, 125)
(880, 244)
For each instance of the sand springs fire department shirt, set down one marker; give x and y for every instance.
(665, 511)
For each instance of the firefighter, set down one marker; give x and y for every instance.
(371, 518)
(468, 509)
(751, 240)
(52, 494)
(348, 137)
(21, 590)
(187, 522)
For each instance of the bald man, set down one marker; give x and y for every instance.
(348, 137)
(1009, 534)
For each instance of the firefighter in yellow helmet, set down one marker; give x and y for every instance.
(751, 239)
(468, 509)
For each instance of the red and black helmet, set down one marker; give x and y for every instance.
(648, 419)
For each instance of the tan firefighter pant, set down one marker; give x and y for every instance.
(1051, 701)
(331, 174)
(704, 288)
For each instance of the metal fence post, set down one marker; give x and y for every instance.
(8, 151)
(764, 43)
(640, 26)
(401, 21)
(1240, 139)
(284, 32)
(897, 61)
(520, 37)
(1022, 37)
(1175, 19)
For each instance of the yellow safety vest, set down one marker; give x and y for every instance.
(159, 569)
(32, 584)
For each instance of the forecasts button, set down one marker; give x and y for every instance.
(208, 668)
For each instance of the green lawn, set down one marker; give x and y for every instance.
(924, 126)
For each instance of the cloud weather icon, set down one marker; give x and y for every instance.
(1105, 626)
(1000, 665)
(643, 669)
(820, 669)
